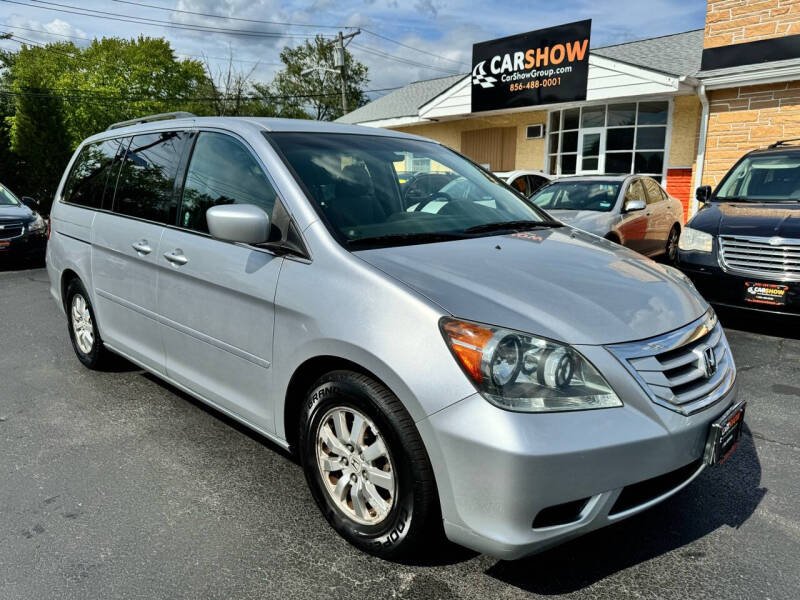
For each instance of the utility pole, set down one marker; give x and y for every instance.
(339, 63)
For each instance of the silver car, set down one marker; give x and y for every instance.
(632, 210)
(482, 372)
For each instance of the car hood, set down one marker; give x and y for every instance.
(559, 283)
(593, 221)
(749, 219)
(15, 212)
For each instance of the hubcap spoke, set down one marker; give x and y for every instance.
(356, 494)
(374, 498)
(380, 478)
(332, 442)
(357, 430)
(341, 489)
(374, 451)
(340, 425)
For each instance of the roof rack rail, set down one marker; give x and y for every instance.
(783, 142)
(149, 118)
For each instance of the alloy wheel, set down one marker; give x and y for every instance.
(82, 325)
(672, 245)
(355, 465)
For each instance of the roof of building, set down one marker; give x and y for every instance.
(402, 102)
(676, 54)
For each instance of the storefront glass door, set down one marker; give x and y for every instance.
(591, 150)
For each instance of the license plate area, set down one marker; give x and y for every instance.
(772, 294)
(724, 435)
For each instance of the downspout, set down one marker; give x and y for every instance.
(701, 144)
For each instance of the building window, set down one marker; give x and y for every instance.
(627, 137)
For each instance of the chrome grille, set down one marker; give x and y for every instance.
(10, 229)
(674, 368)
(775, 257)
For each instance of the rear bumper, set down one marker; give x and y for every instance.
(722, 287)
(513, 484)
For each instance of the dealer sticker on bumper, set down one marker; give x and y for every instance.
(765, 293)
(724, 435)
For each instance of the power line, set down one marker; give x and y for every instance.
(99, 14)
(88, 39)
(231, 18)
(400, 59)
(388, 39)
(202, 14)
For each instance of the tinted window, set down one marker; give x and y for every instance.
(766, 177)
(222, 171)
(145, 188)
(87, 180)
(653, 190)
(521, 184)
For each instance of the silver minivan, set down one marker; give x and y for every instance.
(484, 372)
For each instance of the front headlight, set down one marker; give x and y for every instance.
(525, 373)
(692, 240)
(37, 224)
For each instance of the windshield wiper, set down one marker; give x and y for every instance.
(405, 238)
(512, 225)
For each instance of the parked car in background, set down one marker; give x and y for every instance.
(632, 210)
(525, 182)
(742, 248)
(482, 371)
(23, 231)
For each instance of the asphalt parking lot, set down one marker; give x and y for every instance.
(114, 485)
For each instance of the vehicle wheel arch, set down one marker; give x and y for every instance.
(67, 276)
(304, 377)
(613, 236)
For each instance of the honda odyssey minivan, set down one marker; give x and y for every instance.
(483, 372)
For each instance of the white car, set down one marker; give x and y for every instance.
(526, 182)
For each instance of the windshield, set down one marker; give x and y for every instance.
(7, 198)
(578, 195)
(764, 178)
(384, 191)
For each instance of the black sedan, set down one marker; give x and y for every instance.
(23, 231)
(742, 248)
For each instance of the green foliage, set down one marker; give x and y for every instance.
(53, 97)
(316, 95)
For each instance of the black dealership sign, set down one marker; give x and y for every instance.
(539, 67)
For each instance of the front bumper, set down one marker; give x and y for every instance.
(26, 245)
(726, 288)
(499, 472)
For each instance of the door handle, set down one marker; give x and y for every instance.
(176, 257)
(142, 247)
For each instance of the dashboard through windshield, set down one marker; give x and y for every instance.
(382, 191)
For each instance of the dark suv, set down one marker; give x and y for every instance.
(742, 248)
(23, 232)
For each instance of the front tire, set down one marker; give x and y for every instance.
(672, 244)
(83, 327)
(366, 465)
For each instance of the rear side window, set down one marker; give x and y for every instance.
(654, 193)
(146, 184)
(635, 192)
(86, 184)
(222, 171)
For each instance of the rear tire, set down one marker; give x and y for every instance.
(82, 326)
(367, 467)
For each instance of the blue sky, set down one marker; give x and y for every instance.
(437, 34)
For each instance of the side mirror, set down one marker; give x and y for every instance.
(631, 205)
(31, 203)
(244, 223)
(703, 193)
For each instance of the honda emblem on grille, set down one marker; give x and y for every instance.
(710, 361)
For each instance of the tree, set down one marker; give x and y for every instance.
(63, 93)
(316, 95)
